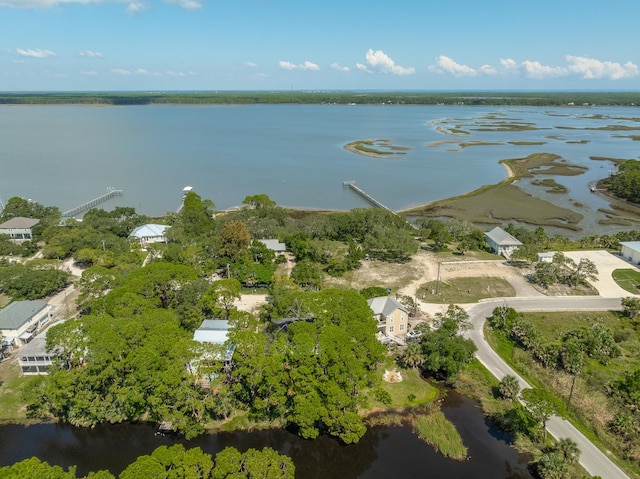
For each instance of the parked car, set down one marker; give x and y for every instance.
(414, 335)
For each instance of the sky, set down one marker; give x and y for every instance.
(213, 45)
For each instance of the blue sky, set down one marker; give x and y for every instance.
(155, 45)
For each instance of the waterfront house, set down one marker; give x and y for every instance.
(392, 318)
(631, 251)
(213, 334)
(34, 359)
(20, 321)
(502, 242)
(150, 233)
(19, 228)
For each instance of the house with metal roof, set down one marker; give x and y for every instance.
(502, 242)
(19, 228)
(274, 245)
(150, 233)
(631, 251)
(20, 321)
(392, 318)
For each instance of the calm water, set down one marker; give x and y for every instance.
(66, 155)
(384, 452)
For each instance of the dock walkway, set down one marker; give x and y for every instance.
(366, 196)
(84, 207)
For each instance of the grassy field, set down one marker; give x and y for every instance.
(467, 290)
(628, 279)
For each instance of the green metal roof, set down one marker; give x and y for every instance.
(20, 312)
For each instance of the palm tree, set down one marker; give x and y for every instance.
(509, 387)
(412, 356)
(569, 449)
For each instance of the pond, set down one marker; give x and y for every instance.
(382, 452)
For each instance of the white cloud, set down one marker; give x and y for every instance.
(590, 68)
(538, 71)
(384, 64)
(89, 73)
(447, 65)
(488, 70)
(138, 72)
(90, 54)
(37, 53)
(306, 66)
(172, 73)
(340, 68)
(363, 68)
(186, 4)
(508, 64)
(250, 64)
(137, 7)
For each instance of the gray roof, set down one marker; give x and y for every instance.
(385, 305)
(274, 245)
(149, 231)
(502, 238)
(19, 222)
(20, 312)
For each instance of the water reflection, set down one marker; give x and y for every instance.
(383, 451)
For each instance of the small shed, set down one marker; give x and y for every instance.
(631, 251)
(502, 242)
(546, 257)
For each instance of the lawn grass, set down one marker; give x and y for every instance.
(12, 406)
(411, 391)
(627, 279)
(436, 430)
(467, 290)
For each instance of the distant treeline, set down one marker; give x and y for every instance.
(327, 97)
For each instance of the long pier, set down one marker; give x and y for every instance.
(111, 192)
(366, 196)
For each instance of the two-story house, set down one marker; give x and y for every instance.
(392, 317)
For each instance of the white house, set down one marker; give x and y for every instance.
(150, 233)
(631, 251)
(502, 242)
(19, 228)
(392, 317)
(21, 319)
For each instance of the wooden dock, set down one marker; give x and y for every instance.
(364, 195)
(84, 207)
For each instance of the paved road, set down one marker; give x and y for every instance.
(592, 459)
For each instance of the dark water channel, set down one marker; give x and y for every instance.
(384, 452)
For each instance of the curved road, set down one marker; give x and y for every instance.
(591, 458)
